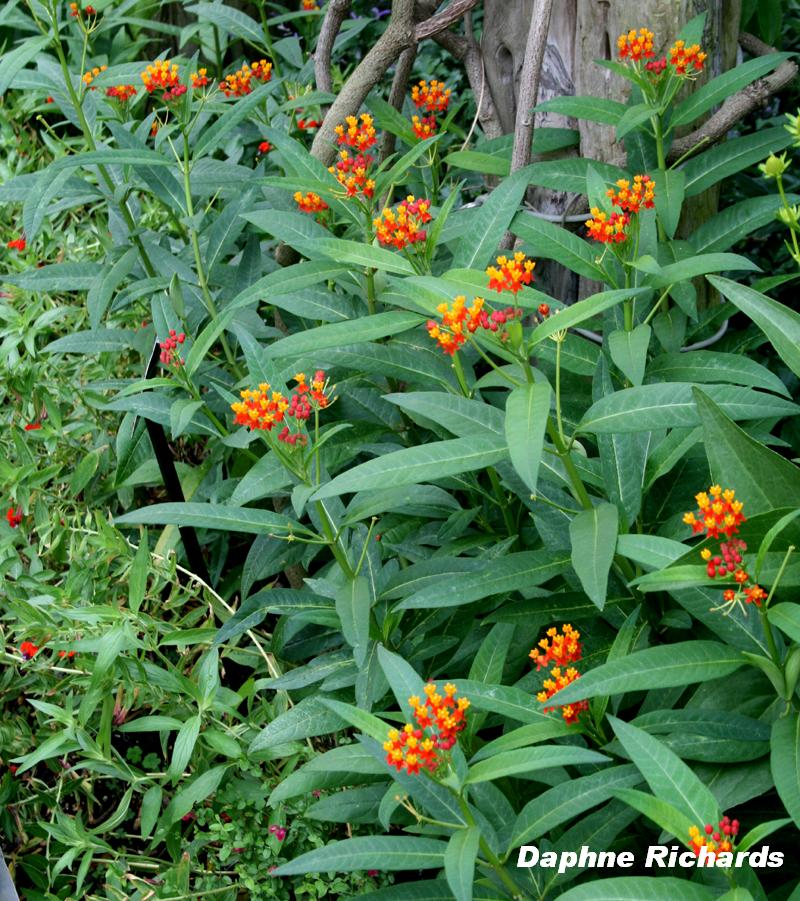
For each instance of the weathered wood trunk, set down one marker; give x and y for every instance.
(582, 31)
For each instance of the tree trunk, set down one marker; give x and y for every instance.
(582, 31)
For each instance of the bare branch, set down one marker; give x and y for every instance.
(466, 50)
(334, 16)
(739, 105)
(444, 19)
(398, 36)
(529, 83)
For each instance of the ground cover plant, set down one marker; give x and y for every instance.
(341, 554)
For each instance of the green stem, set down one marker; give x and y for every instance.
(498, 493)
(778, 578)
(334, 541)
(578, 488)
(494, 860)
(198, 259)
(558, 391)
(785, 202)
(371, 291)
(658, 130)
(459, 371)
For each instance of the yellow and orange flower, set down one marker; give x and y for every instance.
(402, 226)
(357, 133)
(310, 5)
(459, 320)
(431, 97)
(91, 74)
(636, 46)
(719, 513)
(561, 679)
(560, 648)
(260, 409)
(351, 172)
(200, 78)
(511, 275)
(687, 60)
(310, 202)
(715, 841)
(632, 197)
(439, 719)
(162, 75)
(607, 229)
(425, 127)
(121, 92)
(239, 83)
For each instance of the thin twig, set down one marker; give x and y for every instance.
(737, 106)
(334, 16)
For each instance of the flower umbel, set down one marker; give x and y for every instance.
(121, 92)
(439, 719)
(608, 229)
(632, 197)
(431, 97)
(687, 61)
(719, 513)
(351, 173)
(459, 320)
(162, 75)
(511, 274)
(715, 841)
(636, 46)
(309, 202)
(560, 648)
(561, 679)
(28, 650)
(403, 226)
(170, 355)
(357, 133)
(261, 408)
(424, 127)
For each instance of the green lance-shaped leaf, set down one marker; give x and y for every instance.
(213, 516)
(488, 223)
(459, 862)
(762, 478)
(593, 534)
(672, 405)
(779, 323)
(628, 350)
(669, 778)
(413, 465)
(665, 666)
(785, 762)
(528, 760)
(353, 604)
(638, 888)
(379, 852)
(527, 409)
(579, 312)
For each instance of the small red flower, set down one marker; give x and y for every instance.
(264, 147)
(169, 346)
(14, 517)
(17, 244)
(33, 426)
(28, 650)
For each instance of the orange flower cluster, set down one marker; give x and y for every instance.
(200, 78)
(636, 46)
(310, 5)
(121, 92)
(240, 83)
(715, 841)
(316, 396)
(558, 680)
(309, 202)
(607, 229)
(718, 514)
(357, 133)
(89, 77)
(424, 127)
(351, 173)
(431, 98)
(559, 648)
(632, 197)
(162, 75)
(403, 226)
(721, 514)
(458, 319)
(439, 719)
(511, 275)
(260, 409)
(687, 60)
